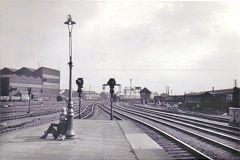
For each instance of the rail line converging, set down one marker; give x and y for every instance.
(231, 135)
(86, 112)
(209, 120)
(36, 118)
(228, 140)
(172, 145)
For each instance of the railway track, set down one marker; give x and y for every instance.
(20, 116)
(36, 111)
(228, 146)
(204, 122)
(220, 119)
(34, 119)
(107, 110)
(172, 145)
(232, 146)
(200, 141)
(23, 107)
(231, 133)
(86, 112)
(20, 112)
(28, 123)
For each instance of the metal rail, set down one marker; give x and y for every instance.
(185, 124)
(76, 111)
(205, 124)
(27, 124)
(189, 114)
(30, 122)
(186, 131)
(92, 109)
(179, 142)
(109, 112)
(29, 115)
(177, 114)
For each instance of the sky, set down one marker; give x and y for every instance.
(190, 46)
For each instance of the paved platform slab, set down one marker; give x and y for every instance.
(94, 140)
(144, 147)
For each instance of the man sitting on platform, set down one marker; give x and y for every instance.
(58, 133)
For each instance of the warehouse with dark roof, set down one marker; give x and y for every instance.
(44, 82)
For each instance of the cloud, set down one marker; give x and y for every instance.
(154, 43)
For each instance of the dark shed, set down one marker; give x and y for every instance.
(145, 95)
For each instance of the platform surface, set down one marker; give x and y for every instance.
(94, 140)
(144, 147)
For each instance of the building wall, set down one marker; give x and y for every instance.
(128, 94)
(51, 81)
(219, 99)
(43, 81)
(145, 98)
(90, 95)
(196, 99)
(21, 84)
(4, 86)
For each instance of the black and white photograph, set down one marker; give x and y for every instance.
(119, 80)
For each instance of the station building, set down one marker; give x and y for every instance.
(44, 82)
(85, 94)
(130, 93)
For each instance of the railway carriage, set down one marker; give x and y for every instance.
(217, 99)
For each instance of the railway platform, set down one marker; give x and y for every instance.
(94, 140)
